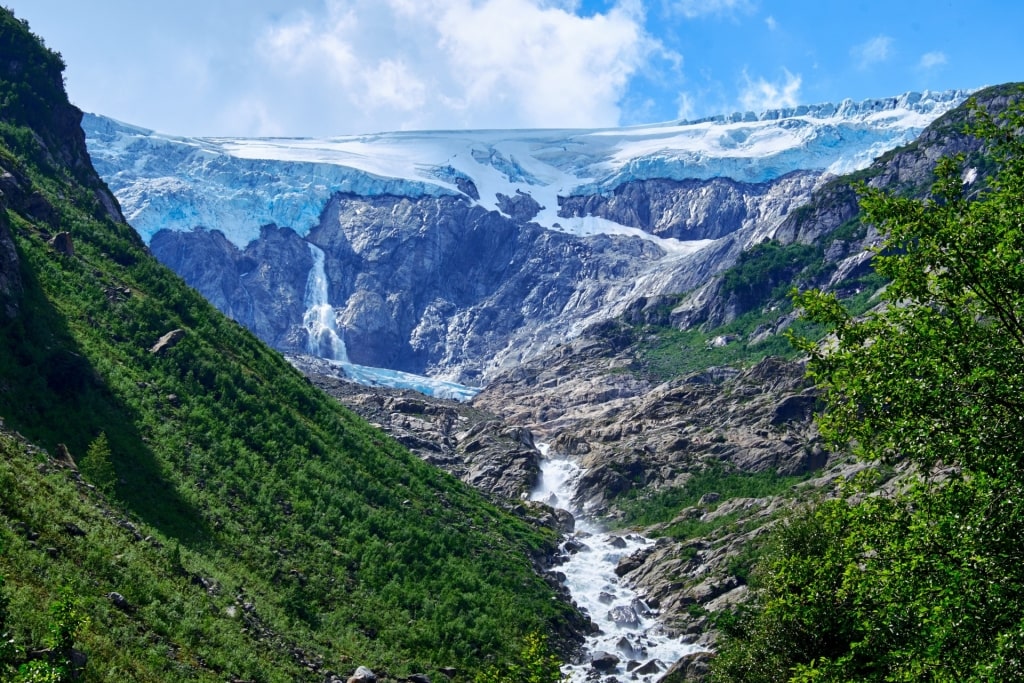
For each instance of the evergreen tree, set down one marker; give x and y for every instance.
(96, 465)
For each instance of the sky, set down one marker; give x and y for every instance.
(325, 68)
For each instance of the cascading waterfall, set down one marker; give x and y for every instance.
(631, 640)
(323, 339)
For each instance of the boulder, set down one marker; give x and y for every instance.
(624, 616)
(168, 341)
(363, 675)
(118, 600)
(604, 661)
(63, 244)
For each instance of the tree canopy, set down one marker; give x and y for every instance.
(927, 583)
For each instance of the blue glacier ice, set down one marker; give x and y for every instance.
(237, 185)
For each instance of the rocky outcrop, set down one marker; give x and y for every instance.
(490, 454)
(167, 341)
(696, 209)
(830, 217)
(434, 285)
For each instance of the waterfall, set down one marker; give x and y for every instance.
(630, 634)
(321, 325)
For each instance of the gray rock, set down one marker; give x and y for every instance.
(363, 675)
(649, 668)
(63, 244)
(118, 601)
(604, 661)
(167, 342)
(624, 616)
(11, 286)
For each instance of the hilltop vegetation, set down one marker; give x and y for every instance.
(230, 521)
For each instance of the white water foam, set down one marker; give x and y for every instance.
(629, 628)
(320, 321)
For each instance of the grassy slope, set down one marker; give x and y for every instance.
(323, 538)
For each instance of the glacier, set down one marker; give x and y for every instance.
(237, 185)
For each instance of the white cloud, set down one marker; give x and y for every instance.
(771, 23)
(699, 8)
(874, 51)
(371, 65)
(930, 60)
(761, 94)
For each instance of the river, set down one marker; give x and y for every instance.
(632, 643)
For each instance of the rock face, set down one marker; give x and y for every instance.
(829, 218)
(695, 209)
(262, 287)
(432, 286)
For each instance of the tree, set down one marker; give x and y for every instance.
(927, 584)
(96, 465)
(534, 664)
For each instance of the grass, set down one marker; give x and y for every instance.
(642, 508)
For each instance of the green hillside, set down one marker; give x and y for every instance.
(254, 529)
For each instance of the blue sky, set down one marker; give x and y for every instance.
(338, 67)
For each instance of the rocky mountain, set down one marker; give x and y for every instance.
(458, 255)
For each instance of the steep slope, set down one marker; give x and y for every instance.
(459, 254)
(212, 515)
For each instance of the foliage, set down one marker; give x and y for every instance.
(767, 270)
(96, 464)
(534, 664)
(927, 584)
(667, 352)
(39, 671)
(642, 508)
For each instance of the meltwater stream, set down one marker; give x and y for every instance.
(631, 644)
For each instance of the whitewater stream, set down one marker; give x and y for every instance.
(635, 642)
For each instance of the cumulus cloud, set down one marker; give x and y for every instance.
(761, 94)
(872, 52)
(371, 65)
(930, 60)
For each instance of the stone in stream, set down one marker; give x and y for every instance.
(604, 661)
(624, 616)
(574, 546)
(642, 608)
(617, 542)
(647, 668)
(629, 648)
